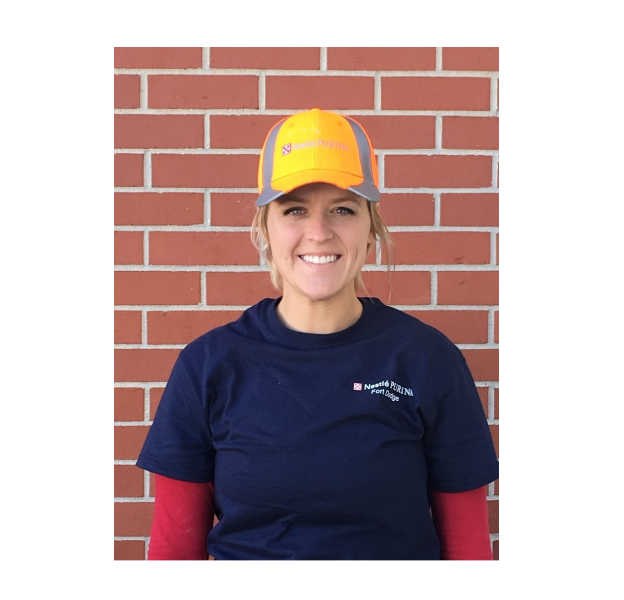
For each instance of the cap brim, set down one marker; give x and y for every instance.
(344, 181)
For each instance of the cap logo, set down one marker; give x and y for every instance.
(288, 148)
(332, 144)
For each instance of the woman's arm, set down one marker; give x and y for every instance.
(461, 521)
(183, 516)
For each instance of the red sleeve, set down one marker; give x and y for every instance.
(461, 521)
(183, 516)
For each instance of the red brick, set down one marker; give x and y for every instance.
(152, 488)
(438, 171)
(133, 518)
(381, 59)
(470, 133)
(159, 131)
(496, 490)
(182, 327)
(202, 91)
(156, 287)
(127, 91)
(399, 131)
(493, 515)
(441, 247)
(129, 550)
(128, 247)
(240, 131)
(494, 431)
(127, 327)
(496, 392)
(241, 289)
(495, 549)
(470, 59)
(128, 170)
(497, 253)
(129, 404)
(232, 210)
(129, 441)
(496, 327)
(435, 93)
(404, 287)
(483, 395)
(128, 481)
(483, 364)
(201, 248)
(155, 395)
(265, 58)
(157, 208)
(144, 365)
(329, 93)
(469, 210)
(461, 326)
(158, 58)
(407, 209)
(205, 170)
(468, 287)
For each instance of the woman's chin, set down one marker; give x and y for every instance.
(321, 293)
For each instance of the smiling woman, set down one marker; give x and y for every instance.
(319, 249)
(321, 424)
(284, 175)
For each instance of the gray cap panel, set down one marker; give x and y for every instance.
(364, 150)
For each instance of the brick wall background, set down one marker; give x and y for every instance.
(189, 124)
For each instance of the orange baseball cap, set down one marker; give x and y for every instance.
(317, 146)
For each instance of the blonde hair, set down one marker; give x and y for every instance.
(260, 240)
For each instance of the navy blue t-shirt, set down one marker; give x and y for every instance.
(322, 446)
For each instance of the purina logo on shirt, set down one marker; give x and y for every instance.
(384, 387)
(285, 149)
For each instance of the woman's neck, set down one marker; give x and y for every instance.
(327, 316)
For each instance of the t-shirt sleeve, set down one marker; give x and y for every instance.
(179, 442)
(458, 444)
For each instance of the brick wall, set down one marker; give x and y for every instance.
(189, 124)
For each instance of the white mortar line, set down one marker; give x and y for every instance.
(409, 268)
(438, 132)
(491, 403)
(256, 151)
(147, 170)
(262, 93)
(233, 307)
(377, 92)
(144, 343)
(437, 208)
(495, 170)
(279, 112)
(143, 92)
(491, 326)
(434, 288)
(493, 95)
(438, 67)
(206, 59)
(323, 60)
(207, 213)
(202, 285)
(207, 131)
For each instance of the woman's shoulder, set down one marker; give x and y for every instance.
(247, 325)
(406, 326)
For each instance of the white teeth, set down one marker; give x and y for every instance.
(319, 260)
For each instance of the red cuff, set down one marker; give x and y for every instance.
(183, 516)
(461, 521)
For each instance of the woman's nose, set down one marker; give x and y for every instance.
(319, 228)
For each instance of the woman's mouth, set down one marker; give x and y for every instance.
(319, 260)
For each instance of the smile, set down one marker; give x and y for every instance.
(320, 260)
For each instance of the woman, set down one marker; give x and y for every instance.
(321, 424)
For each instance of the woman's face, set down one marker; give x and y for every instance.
(313, 221)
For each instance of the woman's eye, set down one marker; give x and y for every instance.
(341, 210)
